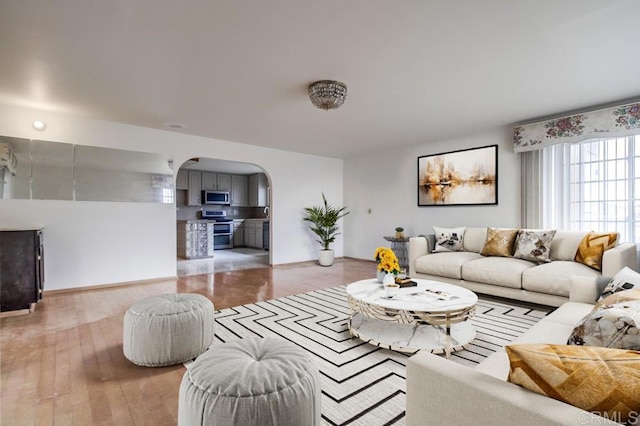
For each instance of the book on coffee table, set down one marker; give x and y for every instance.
(406, 282)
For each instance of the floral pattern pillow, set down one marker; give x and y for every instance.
(615, 326)
(449, 239)
(534, 245)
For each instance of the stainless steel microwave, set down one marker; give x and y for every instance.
(215, 197)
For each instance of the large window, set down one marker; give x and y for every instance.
(593, 186)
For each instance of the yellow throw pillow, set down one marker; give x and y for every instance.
(499, 242)
(599, 380)
(593, 246)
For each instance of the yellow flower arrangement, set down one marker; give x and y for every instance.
(387, 260)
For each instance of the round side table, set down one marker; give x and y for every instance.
(399, 247)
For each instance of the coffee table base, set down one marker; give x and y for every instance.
(411, 337)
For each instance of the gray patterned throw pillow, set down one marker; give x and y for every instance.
(534, 245)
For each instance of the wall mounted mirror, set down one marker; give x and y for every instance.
(43, 170)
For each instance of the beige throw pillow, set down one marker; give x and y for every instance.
(499, 242)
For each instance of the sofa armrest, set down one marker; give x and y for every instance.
(418, 246)
(442, 392)
(618, 257)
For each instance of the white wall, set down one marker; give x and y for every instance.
(381, 192)
(92, 243)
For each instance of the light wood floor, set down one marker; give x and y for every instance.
(63, 364)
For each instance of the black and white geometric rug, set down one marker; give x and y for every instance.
(361, 383)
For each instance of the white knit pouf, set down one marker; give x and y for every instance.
(251, 382)
(167, 329)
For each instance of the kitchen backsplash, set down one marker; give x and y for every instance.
(191, 212)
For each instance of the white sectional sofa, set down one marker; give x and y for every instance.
(513, 278)
(441, 392)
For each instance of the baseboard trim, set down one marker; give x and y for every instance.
(103, 286)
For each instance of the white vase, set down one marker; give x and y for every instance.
(388, 279)
(325, 257)
(380, 275)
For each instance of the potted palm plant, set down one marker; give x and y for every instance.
(323, 221)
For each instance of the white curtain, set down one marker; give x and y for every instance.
(545, 188)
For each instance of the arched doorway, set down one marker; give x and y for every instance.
(223, 216)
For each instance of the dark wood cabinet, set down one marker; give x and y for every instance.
(21, 269)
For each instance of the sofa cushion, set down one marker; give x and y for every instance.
(445, 264)
(565, 244)
(554, 277)
(555, 328)
(593, 246)
(534, 245)
(595, 379)
(474, 239)
(610, 326)
(501, 271)
(496, 365)
(448, 239)
(499, 242)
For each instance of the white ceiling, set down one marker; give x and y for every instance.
(416, 71)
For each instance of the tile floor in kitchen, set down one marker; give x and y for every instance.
(224, 260)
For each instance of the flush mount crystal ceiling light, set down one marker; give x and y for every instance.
(327, 94)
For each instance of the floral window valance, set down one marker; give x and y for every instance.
(623, 120)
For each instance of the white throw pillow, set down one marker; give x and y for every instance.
(449, 239)
(625, 279)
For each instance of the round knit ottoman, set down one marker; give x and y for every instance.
(265, 382)
(167, 329)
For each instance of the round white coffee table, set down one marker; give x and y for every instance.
(431, 316)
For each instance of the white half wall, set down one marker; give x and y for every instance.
(381, 192)
(94, 243)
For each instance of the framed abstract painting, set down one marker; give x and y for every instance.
(459, 178)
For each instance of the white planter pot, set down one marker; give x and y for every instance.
(325, 257)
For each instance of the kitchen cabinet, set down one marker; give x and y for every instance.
(238, 233)
(194, 191)
(253, 233)
(209, 180)
(239, 190)
(224, 182)
(182, 180)
(195, 239)
(21, 269)
(217, 181)
(258, 190)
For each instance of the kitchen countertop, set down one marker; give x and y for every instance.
(213, 221)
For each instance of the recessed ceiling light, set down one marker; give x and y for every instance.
(173, 125)
(39, 125)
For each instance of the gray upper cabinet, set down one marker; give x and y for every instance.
(219, 181)
(182, 180)
(258, 190)
(209, 180)
(224, 182)
(195, 188)
(239, 190)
